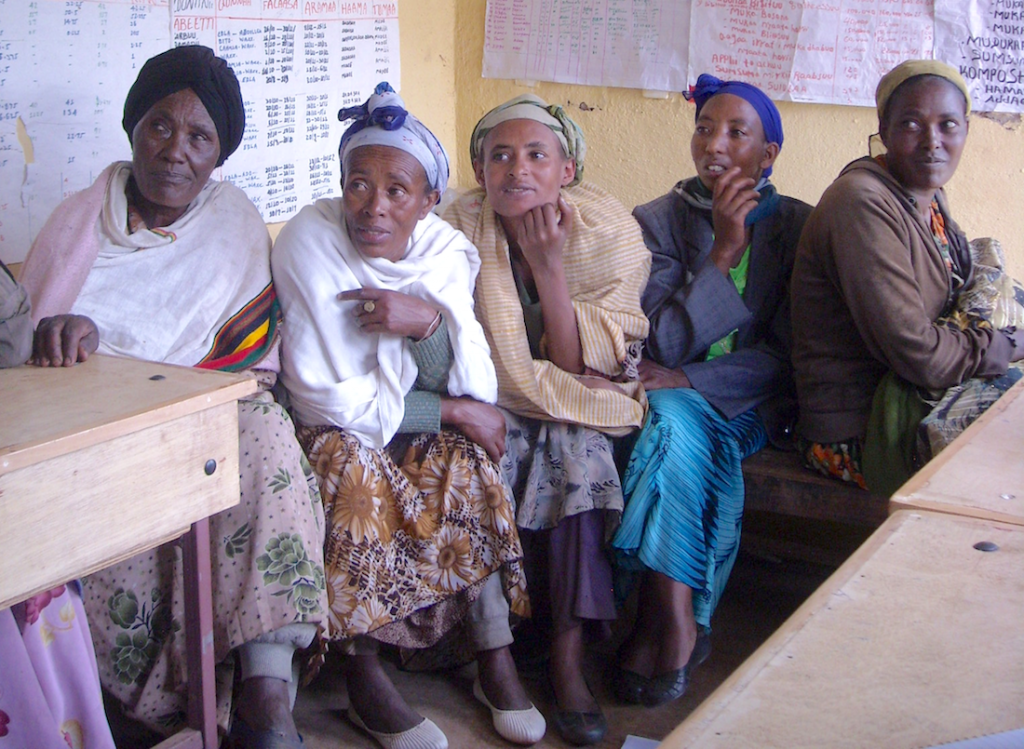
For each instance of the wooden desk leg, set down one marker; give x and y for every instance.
(202, 698)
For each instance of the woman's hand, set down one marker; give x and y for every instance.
(64, 340)
(383, 311)
(541, 234)
(656, 377)
(733, 198)
(482, 423)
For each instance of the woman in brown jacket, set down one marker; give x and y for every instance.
(879, 262)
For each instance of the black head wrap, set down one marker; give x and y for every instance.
(197, 68)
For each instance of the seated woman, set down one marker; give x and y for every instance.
(175, 267)
(49, 688)
(562, 269)
(718, 378)
(879, 262)
(390, 377)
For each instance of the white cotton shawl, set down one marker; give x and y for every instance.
(163, 295)
(337, 374)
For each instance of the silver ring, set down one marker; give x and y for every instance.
(369, 306)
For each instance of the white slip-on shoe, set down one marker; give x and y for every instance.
(518, 726)
(424, 735)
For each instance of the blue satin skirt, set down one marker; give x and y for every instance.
(684, 494)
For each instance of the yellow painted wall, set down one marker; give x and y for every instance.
(638, 148)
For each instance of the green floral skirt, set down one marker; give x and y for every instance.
(267, 572)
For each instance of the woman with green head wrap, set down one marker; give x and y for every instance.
(880, 264)
(563, 266)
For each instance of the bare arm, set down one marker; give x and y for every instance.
(541, 236)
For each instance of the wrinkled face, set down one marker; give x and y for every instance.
(522, 166)
(384, 195)
(174, 150)
(729, 134)
(924, 131)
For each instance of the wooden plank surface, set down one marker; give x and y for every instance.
(981, 474)
(45, 412)
(916, 640)
(777, 481)
(76, 513)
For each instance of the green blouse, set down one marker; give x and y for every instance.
(739, 280)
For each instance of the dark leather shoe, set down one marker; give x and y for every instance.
(580, 729)
(672, 685)
(629, 686)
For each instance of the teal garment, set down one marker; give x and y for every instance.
(684, 494)
(739, 279)
(433, 358)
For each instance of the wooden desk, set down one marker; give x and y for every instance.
(916, 640)
(106, 459)
(981, 474)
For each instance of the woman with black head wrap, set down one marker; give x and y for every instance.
(175, 267)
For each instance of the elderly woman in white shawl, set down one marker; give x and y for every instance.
(390, 377)
(173, 266)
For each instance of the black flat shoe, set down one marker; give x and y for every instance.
(580, 729)
(574, 726)
(672, 685)
(629, 686)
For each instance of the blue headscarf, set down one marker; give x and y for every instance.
(771, 122)
(383, 121)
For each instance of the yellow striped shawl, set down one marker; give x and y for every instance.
(606, 268)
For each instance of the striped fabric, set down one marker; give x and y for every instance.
(684, 494)
(606, 266)
(247, 336)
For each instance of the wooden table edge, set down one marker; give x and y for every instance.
(922, 478)
(695, 724)
(975, 513)
(27, 454)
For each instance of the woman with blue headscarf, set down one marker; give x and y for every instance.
(717, 374)
(390, 378)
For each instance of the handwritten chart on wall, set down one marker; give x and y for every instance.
(985, 39)
(66, 66)
(630, 43)
(827, 51)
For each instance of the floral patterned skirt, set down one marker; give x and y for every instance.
(837, 460)
(557, 470)
(413, 531)
(267, 573)
(49, 690)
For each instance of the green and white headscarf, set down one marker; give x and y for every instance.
(531, 107)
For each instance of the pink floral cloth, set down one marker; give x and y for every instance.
(49, 686)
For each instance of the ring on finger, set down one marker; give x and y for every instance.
(369, 306)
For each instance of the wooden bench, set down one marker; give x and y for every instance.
(776, 481)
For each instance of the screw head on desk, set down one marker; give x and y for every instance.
(986, 546)
(155, 378)
(1006, 496)
(210, 467)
